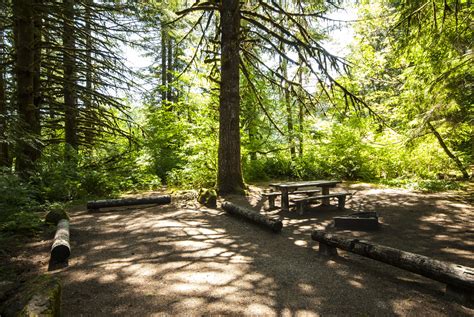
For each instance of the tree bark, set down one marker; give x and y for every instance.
(69, 89)
(24, 37)
(273, 224)
(169, 69)
(229, 175)
(4, 155)
(37, 91)
(97, 204)
(448, 152)
(452, 274)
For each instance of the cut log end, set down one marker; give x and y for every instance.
(61, 250)
(60, 253)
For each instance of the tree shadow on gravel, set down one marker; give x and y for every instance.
(164, 259)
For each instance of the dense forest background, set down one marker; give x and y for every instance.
(236, 91)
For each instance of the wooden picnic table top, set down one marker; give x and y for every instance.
(316, 183)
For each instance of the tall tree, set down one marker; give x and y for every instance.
(4, 149)
(419, 70)
(24, 35)
(69, 65)
(265, 30)
(229, 178)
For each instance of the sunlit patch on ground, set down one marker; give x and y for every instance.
(180, 261)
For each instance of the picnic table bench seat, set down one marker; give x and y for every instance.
(271, 198)
(273, 195)
(301, 203)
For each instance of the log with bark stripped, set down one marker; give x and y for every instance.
(459, 279)
(60, 250)
(273, 224)
(97, 204)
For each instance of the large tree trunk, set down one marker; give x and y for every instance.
(448, 152)
(4, 157)
(37, 91)
(69, 60)
(229, 178)
(24, 34)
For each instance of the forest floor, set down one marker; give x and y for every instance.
(185, 259)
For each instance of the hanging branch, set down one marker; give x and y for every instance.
(257, 95)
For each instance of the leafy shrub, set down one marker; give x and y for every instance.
(22, 222)
(15, 193)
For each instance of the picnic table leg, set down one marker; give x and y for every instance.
(325, 191)
(285, 203)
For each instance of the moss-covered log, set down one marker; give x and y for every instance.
(54, 216)
(455, 276)
(61, 249)
(40, 296)
(273, 224)
(97, 204)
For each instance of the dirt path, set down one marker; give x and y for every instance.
(183, 260)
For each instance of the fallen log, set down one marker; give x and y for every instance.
(273, 224)
(60, 250)
(97, 204)
(458, 279)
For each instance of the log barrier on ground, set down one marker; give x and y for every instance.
(459, 279)
(274, 224)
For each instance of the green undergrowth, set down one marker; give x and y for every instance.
(425, 185)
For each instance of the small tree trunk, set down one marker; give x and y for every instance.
(169, 69)
(87, 96)
(448, 152)
(229, 177)
(164, 68)
(69, 60)
(300, 117)
(287, 101)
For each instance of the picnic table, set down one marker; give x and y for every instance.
(289, 187)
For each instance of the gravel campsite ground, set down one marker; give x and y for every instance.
(186, 259)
